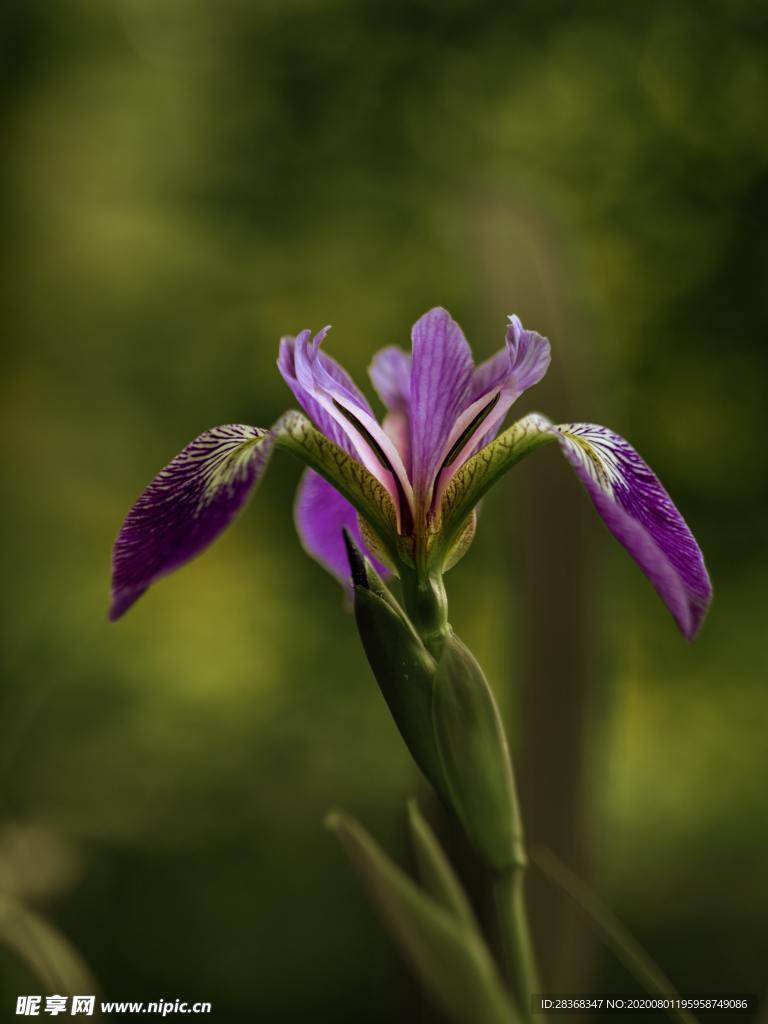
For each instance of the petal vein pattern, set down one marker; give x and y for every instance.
(641, 515)
(296, 434)
(187, 505)
(626, 493)
(339, 409)
(496, 385)
(441, 378)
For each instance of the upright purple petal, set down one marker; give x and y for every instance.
(390, 372)
(338, 408)
(520, 365)
(321, 514)
(641, 515)
(286, 363)
(440, 389)
(496, 385)
(492, 373)
(186, 507)
(529, 355)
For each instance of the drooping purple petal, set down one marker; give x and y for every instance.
(440, 386)
(321, 385)
(321, 514)
(390, 372)
(186, 507)
(641, 515)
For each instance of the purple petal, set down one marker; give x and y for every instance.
(321, 514)
(186, 507)
(492, 373)
(440, 388)
(390, 372)
(518, 366)
(338, 408)
(286, 363)
(529, 355)
(496, 385)
(641, 515)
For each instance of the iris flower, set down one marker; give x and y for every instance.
(407, 488)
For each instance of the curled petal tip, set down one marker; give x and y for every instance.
(319, 338)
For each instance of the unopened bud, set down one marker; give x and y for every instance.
(402, 665)
(475, 766)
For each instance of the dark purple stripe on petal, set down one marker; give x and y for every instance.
(520, 365)
(338, 408)
(641, 515)
(440, 387)
(286, 363)
(496, 385)
(186, 507)
(321, 516)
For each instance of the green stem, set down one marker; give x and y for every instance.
(427, 606)
(517, 959)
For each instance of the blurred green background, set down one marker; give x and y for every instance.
(183, 181)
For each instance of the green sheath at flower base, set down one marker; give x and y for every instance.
(474, 759)
(445, 711)
(402, 665)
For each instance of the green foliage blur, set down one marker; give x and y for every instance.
(183, 182)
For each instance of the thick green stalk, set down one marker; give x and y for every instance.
(427, 605)
(476, 777)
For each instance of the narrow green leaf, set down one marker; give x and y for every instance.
(448, 956)
(294, 433)
(471, 482)
(616, 937)
(47, 953)
(435, 870)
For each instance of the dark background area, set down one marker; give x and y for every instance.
(183, 181)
